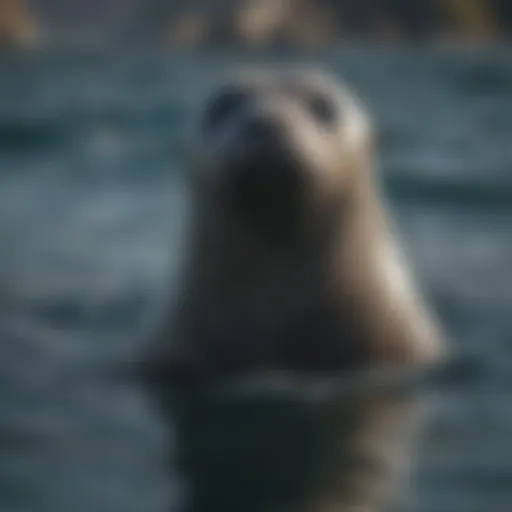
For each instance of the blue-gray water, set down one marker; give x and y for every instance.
(90, 212)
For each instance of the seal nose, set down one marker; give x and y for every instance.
(262, 128)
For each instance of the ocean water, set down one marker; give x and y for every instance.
(91, 212)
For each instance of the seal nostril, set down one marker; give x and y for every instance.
(261, 128)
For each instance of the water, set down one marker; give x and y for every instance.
(90, 216)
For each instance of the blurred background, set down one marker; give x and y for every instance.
(93, 95)
(254, 23)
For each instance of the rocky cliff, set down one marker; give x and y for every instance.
(258, 22)
(18, 27)
(263, 22)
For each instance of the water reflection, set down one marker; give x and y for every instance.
(276, 443)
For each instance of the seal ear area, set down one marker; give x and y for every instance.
(374, 141)
(378, 141)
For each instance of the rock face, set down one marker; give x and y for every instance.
(267, 22)
(17, 25)
(256, 23)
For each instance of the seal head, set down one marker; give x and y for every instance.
(266, 136)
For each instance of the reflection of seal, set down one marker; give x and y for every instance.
(294, 266)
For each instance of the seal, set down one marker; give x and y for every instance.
(294, 262)
(294, 265)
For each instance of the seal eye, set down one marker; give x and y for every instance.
(322, 108)
(224, 104)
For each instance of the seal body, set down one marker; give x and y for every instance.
(294, 265)
(293, 261)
